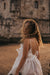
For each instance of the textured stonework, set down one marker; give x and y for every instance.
(14, 12)
(28, 6)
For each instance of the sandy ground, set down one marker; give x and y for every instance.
(8, 55)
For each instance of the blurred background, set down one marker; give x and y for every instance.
(14, 12)
(12, 15)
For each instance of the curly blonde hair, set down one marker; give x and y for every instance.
(34, 32)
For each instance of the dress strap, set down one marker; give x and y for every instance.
(30, 45)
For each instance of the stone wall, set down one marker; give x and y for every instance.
(35, 9)
(5, 12)
(14, 12)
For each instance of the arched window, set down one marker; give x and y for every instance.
(36, 4)
(12, 7)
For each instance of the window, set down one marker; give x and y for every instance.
(4, 5)
(36, 4)
(12, 7)
(15, 5)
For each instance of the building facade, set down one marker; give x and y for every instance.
(14, 12)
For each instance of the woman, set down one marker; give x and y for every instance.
(29, 63)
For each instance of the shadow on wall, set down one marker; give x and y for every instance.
(46, 39)
(5, 41)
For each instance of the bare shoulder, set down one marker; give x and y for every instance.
(26, 46)
(34, 41)
(26, 42)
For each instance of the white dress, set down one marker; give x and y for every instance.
(32, 65)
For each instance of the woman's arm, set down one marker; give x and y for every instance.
(25, 52)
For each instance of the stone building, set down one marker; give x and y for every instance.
(14, 12)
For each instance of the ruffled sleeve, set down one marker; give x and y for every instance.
(20, 50)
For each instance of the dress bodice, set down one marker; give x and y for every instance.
(32, 65)
(20, 51)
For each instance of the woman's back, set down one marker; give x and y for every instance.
(32, 44)
(32, 65)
